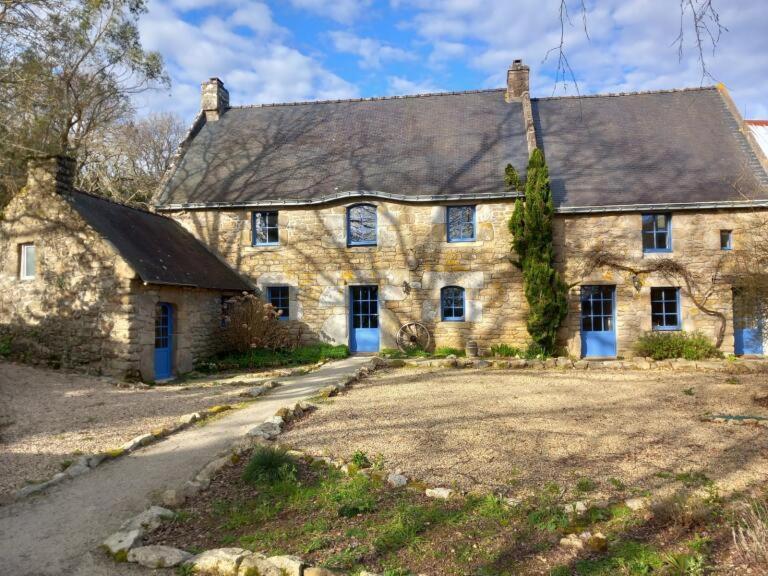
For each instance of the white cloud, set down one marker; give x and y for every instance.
(370, 51)
(344, 11)
(399, 86)
(256, 68)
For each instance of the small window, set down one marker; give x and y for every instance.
(665, 308)
(279, 297)
(461, 223)
(657, 232)
(726, 240)
(361, 225)
(265, 231)
(28, 263)
(452, 303)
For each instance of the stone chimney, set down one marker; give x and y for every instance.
(215, 99)
(517, 80)
(56, 174)
(518, 90)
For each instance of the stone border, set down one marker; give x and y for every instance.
(88, 462)
(728, 366)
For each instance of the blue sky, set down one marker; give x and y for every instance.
(291, 50)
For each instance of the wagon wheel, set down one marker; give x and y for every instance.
(412, 336)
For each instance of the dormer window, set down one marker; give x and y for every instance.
(461, 223)
(361, 225)
(265, 230)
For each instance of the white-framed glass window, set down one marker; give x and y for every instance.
(657, 232)
(460, 222)
(665, 308)
(27, 261)
(452, 304)
(265, 229)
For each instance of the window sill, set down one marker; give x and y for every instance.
(667, 329)
(362, 245)
(468, 241)
(666, 251)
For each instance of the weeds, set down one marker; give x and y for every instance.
(270, 465)
(585, 485)
(352, 497)
(360, 459)
(506, 351)
(750, 537)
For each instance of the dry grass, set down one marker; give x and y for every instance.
(48, 417)
(750, 537)
(514, 431)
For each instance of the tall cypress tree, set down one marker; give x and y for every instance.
(531, 227)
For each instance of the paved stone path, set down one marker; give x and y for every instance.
(58, 532)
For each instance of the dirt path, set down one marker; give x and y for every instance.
(57, 533)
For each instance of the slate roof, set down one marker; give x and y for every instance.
(653, 148)
(158, 249)
(412, 148)
(604, 152)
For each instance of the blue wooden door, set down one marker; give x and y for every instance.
(747, 327)
(163, 341)
(364, 320)
(598, 324)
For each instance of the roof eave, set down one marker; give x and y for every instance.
(669, 206)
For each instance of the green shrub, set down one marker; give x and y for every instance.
(444, 351)
(264, 358)
(666, 345)
(506, 351)
(5, 346)
(535, 352)
(360, 459)
(269, 465)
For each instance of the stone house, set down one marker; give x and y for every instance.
(355, 217)
(91, 284)
(358, 216)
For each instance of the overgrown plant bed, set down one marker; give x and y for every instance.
(260, 358)
(348, 523)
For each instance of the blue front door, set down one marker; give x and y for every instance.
(163, 341)
(747, 326)
(364, 320)
(598, 325)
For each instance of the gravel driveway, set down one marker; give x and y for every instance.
(512, 431)
(48, 417)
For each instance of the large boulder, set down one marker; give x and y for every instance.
(258, 565)
(218, 562)
(290, 565)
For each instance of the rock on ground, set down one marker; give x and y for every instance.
(290, 565)
(158, 556)
(121, 542)
(219, 561)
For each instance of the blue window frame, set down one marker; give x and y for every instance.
(460, 222)
(665, 308)
(361, 225)
(265, 230)
(279, 297)
(657, 232)
(452, 304)
(726, 240)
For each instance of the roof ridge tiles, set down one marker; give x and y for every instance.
(117, 203)
(633, 93)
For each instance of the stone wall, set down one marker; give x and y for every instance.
(410, 264)
(695, 244)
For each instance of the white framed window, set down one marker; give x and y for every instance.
(28, 261)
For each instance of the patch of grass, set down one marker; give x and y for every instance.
(547, 514)
(693, 479)
(360, 459)
(405, 527)
(507, 351)
(689, 392)
(5, 346)
(352, 497)
(269, 465)
(493, 508)
(347, 558)
(412, 352)
(630, 557)
(264, 358)
(443, 351)
(617, 484)
(733, 381)
(185, 570)
(584, 485)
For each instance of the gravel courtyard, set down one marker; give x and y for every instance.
(513, 431)
(48, 417)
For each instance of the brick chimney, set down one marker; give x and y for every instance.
(517, 80)
(215, 99)
(56, 174)
(518, 90)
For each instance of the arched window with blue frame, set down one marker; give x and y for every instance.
(452, 304)
(361, 225)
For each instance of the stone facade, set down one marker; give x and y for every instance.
(411, 262)
(695, 245)
(85, 307)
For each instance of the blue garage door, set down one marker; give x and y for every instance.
(364, 321)
(598, 325)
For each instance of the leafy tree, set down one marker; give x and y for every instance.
(531, 227)
(68, 71)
